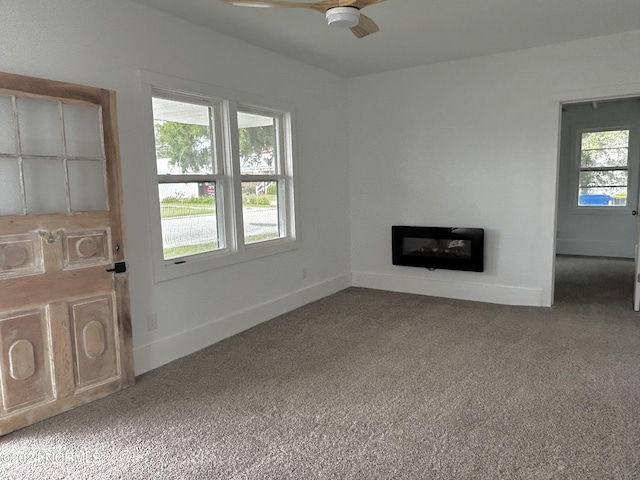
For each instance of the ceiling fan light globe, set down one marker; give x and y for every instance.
(345, 17)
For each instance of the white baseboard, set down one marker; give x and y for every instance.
(475, 291)
(150, 356)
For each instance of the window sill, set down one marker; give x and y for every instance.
(184, 266)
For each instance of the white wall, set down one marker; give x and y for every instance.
(473, 143)
(104, 43)
(597, 231)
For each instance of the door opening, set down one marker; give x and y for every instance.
(597, 206)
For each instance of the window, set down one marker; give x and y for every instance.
(223, 176)
(262, 180)
(603, 173)
(187, 161)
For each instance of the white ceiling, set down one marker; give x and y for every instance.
(412, 32)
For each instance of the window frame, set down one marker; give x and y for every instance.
(227, 176)
(632, 183)
(218, 176)
(284, 179)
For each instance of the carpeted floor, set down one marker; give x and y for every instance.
(594, 280)
(368, 384)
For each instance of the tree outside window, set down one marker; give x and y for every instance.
(604, 168)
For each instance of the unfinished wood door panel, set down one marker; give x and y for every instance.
(65, 327)
(20, 255)
(94, 340)
(26, 380)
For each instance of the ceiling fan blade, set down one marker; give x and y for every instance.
(365, 3)
(321, 6)
(365, 27)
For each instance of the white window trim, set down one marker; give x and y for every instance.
(234, 251)
(632, 180)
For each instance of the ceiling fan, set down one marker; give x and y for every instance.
(339, 13)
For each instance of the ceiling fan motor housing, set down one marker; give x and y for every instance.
(343, 16)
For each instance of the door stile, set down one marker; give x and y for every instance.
(58, 316)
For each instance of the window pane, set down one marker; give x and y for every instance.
(45, 185)
(87, 185)
(189, 218)
(7, 126)
(40, 130)
(260, 211)
(604, 149)
(603, 188)
(10, 191)
(183, 138)
(82, 131)
(256, 134)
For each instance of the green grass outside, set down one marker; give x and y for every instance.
(186, 250)
(186, 209)
(179, 209)
(261, 238)
(259, 201)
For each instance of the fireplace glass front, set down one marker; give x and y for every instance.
(438, 247)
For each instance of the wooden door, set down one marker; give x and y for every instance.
(65, 327)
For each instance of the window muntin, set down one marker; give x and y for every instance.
(52, 157)
(603, 175)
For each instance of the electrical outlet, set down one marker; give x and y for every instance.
(152, 321)
(305, 273)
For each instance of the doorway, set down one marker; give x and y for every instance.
(598, 186)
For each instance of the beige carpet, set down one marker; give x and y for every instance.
(594, 280)
(371, 385)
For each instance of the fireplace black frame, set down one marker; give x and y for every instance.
(438, 247)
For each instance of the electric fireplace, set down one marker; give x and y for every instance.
(438, 247)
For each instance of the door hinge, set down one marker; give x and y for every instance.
(119, 267)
